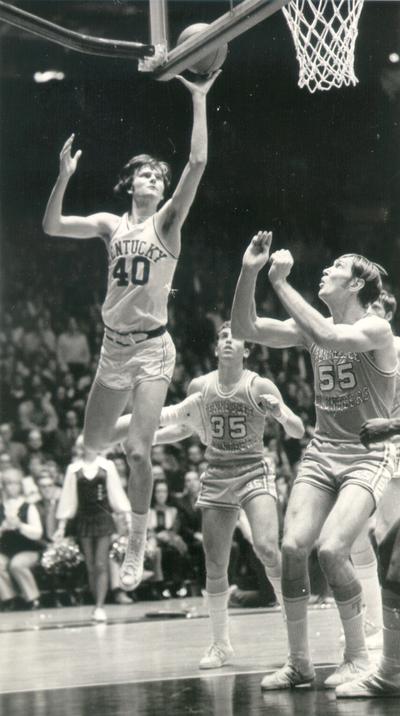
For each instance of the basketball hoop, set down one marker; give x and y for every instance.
(324, 33)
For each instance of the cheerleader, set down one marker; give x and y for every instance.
(91, 492)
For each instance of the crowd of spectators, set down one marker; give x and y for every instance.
(50, 342)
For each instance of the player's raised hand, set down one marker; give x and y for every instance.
(68, 163)
(271, 404)
(281, 265)
(201, 85)
(376, 430)
(257, 252)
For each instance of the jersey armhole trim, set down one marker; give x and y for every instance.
(161, 241)
(251, 395)
(386, 373)
(121, 218)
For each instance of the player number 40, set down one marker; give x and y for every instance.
(342, 376)
(139, 274)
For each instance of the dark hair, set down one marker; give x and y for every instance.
(388, 302)
(140, 160)
(371, 274)
(227, 324)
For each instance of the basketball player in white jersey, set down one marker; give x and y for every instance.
(138, 355)
(227, 408)
(339, 482)
(362, 552)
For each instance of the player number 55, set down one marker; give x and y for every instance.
(343, 376)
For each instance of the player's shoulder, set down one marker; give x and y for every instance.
(107, 223)
(261, 385)
(197, 384)
(378, 326)
(375, 321)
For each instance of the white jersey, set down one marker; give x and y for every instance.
(140, 273)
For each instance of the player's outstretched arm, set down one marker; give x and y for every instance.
(369, 333)
(269, 398)
(378, 430)
(172, 215)
(246, 325)
(75, 227)
(171, 434)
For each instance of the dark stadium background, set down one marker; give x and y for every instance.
(321, 170)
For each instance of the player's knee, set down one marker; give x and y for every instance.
(331, 554)
(266, 551)
(215, 566)
(293, 551)
(138, 455)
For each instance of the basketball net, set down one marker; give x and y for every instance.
(324, 33)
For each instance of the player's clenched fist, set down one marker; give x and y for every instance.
(257, 253)
(271, 404)
(281, 265)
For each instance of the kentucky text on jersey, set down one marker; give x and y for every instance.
(140, 273)
(131, 247)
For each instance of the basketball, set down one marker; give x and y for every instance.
(211, 62)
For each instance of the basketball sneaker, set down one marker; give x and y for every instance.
(190, 412)
(348, 670)
(374, 685)
(99, 615)
(288, 677)
(131, 572)
(216, 656)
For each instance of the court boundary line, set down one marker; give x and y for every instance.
(317, 667)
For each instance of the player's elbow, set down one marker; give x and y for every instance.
(50, 228)
(298, 430)
(237, 328)
(198, 160)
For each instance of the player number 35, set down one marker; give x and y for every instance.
(342, 375)
(236, 426)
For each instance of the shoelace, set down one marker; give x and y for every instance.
(215, 650)
(134, 549)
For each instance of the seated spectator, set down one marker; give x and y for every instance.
(20, 532)
(5, 462)
(190, 524)
(47, 505)
(65, 437)
(163, 525)
(38, 412)
(195, 455)
(73, 351)
(16, 450)
(35, 448)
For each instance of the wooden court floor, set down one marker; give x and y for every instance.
(144, 661)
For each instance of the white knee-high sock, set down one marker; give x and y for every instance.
(217, 602)
(390, 662)
(296, 594)
(366, 568)
(348, 599)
